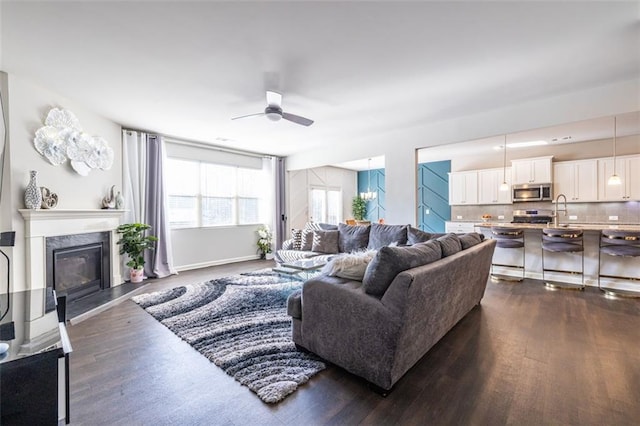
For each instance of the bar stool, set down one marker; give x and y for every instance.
(623, 244)
(508, 238)
(563, 240)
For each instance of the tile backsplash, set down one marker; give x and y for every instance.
(628, 212)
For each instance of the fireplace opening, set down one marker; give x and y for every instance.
(78, 265)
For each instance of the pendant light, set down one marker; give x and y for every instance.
(369, 195)
(504, 186)
(614, 179)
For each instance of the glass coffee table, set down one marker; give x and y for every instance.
(303, 268)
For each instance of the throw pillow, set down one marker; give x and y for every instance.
(353, 237)
(383, 235)
(450, 244)
(470, 239)
(390, 261)
(296, 235)
(325, 241)
(307, 240)
(349, 265)
(415, 235)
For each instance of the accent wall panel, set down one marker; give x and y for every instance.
(433, 195)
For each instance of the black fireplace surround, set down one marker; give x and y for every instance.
(78, 265)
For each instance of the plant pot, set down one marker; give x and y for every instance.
(363, 222)
(136, 275)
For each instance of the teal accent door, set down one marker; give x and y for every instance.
(433, 195)
(375, 207)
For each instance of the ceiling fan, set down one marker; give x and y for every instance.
(274, 112)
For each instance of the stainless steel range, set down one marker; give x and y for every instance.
(532, 216)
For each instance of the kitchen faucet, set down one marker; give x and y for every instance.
(555, 215)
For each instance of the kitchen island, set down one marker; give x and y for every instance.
(610, 265)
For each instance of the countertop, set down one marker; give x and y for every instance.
(583, 226)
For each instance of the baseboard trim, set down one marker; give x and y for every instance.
(189, 267)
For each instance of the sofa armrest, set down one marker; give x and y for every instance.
(350, 328)
(287, 244)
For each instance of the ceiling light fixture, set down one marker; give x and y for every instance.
(504, 186)
(524, 144)
(369, 195)
(614, 179)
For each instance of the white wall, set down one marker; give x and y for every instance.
(28, 107)
(300, 182)
(399, 147)
(199, 247)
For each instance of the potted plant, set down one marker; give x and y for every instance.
(359, 209)
(265, 238)
(133, 243)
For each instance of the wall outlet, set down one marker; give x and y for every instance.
(500, 216)
(427, 211)
(613, 217)
(458, 217)
(573, 217)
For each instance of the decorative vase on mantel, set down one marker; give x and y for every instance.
(33, 194)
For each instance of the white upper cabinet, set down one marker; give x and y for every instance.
(463, 188)
(577, 180)
(489, 181)
(628, 168)
(531, 170)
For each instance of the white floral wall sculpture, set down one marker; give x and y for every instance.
(62, 138)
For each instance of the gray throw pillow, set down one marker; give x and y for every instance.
(382, 235)
(296, 235)
(390, 261)
(470, 239)
(325, 241)
(415, 235)
(353, 237)
(450, 244)
(307, 240)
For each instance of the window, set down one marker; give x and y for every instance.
(205, 194)
(326, 205)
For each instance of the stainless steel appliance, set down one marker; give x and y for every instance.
(532, 192)
(532, 216)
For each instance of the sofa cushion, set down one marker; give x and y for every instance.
(296, 236)
(450, 244)
(415, 235)
(382, 235)
(390, 261)
(470, 239)
(325, 241)
(351, 266)
(353, 237)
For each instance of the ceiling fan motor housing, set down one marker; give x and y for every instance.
(273, 113)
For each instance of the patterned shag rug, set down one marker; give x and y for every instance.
(240, 323)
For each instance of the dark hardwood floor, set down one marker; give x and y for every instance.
(526, 356)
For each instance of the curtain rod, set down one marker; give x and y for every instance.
(198, 144)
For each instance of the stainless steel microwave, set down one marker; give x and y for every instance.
(532, 192)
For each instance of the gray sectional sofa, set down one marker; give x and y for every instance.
(408, 299)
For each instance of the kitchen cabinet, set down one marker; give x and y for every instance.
(628, 168)
(463, 188)
(459, 227)
(577, 180)
(489, 181)
(531, 170)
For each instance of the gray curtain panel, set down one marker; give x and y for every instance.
(159, 261)
(281, 217)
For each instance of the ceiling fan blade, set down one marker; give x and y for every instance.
(250, 115)
(274, 99)
(297, 119)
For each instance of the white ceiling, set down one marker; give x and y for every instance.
(357, 68)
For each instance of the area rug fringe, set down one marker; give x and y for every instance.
(239, 323)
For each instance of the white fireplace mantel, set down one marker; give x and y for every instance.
(40, 224)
